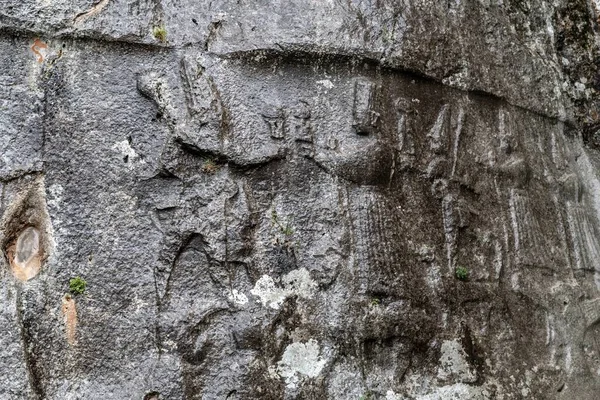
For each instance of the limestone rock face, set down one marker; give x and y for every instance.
(300, 199)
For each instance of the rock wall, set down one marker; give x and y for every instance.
(333, 199)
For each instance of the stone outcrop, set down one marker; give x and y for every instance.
(344, 199)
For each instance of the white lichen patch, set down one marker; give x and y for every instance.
(237, 297)
(127, 152)
(125, 148)
(296, 283)
(268, 293)
(326, 83)
(300, 360)
(453, 363)
(459, 391)
(458, 80)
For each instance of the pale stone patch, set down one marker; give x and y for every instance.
(298, 282)
(28, 246)
(342, 379)
(459, 391)
(24, 255)
(171, 344)
(139, 304)
(126, 151)
(56, 192)
(454, 364)
(96, 9)
(125, 148)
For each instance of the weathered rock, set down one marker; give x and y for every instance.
(272, 199)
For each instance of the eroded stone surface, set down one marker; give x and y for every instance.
(349, 178)
(27, 258)
(28, 246)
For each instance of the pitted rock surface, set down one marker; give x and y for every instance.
(271, 199)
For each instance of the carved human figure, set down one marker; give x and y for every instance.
(406, 134)
(530, 244)
(362, 151)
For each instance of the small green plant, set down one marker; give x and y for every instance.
(375, 302)
(285, 237)
(160, 33)
(210, 166)
(366, 396)
(77, 285)
(461, 273)
(285, 229)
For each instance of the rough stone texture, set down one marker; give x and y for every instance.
(272, 201)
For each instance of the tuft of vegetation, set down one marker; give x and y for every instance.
(77, 285)
(375, 302)
(366, 396)
(285, 229)
(209, 166)
(461, 273)
(284, 237)
(160, 33)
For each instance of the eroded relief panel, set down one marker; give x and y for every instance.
(371, 190)
(303, 221)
